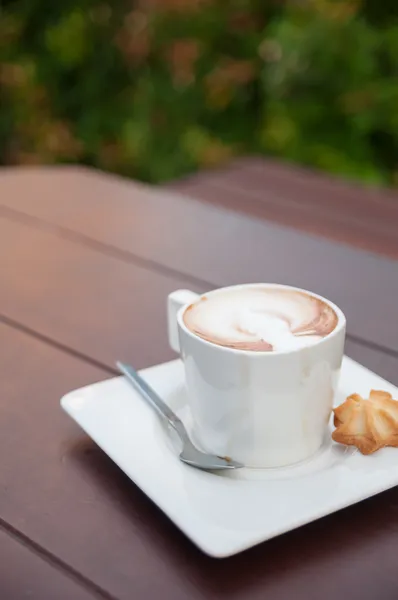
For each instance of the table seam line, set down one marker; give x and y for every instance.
(13, 324)
(53, 560)
(101, 247)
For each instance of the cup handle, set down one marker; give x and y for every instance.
(175, 301)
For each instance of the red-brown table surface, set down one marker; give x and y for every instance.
(86, 262)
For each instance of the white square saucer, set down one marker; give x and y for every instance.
(228, 512)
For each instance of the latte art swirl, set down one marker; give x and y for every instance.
(261, 319)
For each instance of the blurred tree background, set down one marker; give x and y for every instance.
(155, 89)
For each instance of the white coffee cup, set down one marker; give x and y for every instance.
(263, 409)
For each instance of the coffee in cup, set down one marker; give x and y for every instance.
(262, 362)
(261, 319)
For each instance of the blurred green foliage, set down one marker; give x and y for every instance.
(155, 89)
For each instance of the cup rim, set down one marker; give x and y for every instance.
(341, 322)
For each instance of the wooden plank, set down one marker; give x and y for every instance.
(24, 574)
(383, 364)
(372, 237)
(331, 187)
(96, 304)
(275, 193)
(369, 232)
(60, 490)
(306, 187)
(210, 246)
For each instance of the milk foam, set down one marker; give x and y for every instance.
(261, 319)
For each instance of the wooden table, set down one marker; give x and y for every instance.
(303, 199)
(86, 261)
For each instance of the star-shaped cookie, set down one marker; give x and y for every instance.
(367, 424)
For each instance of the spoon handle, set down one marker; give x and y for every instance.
(151, 397)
